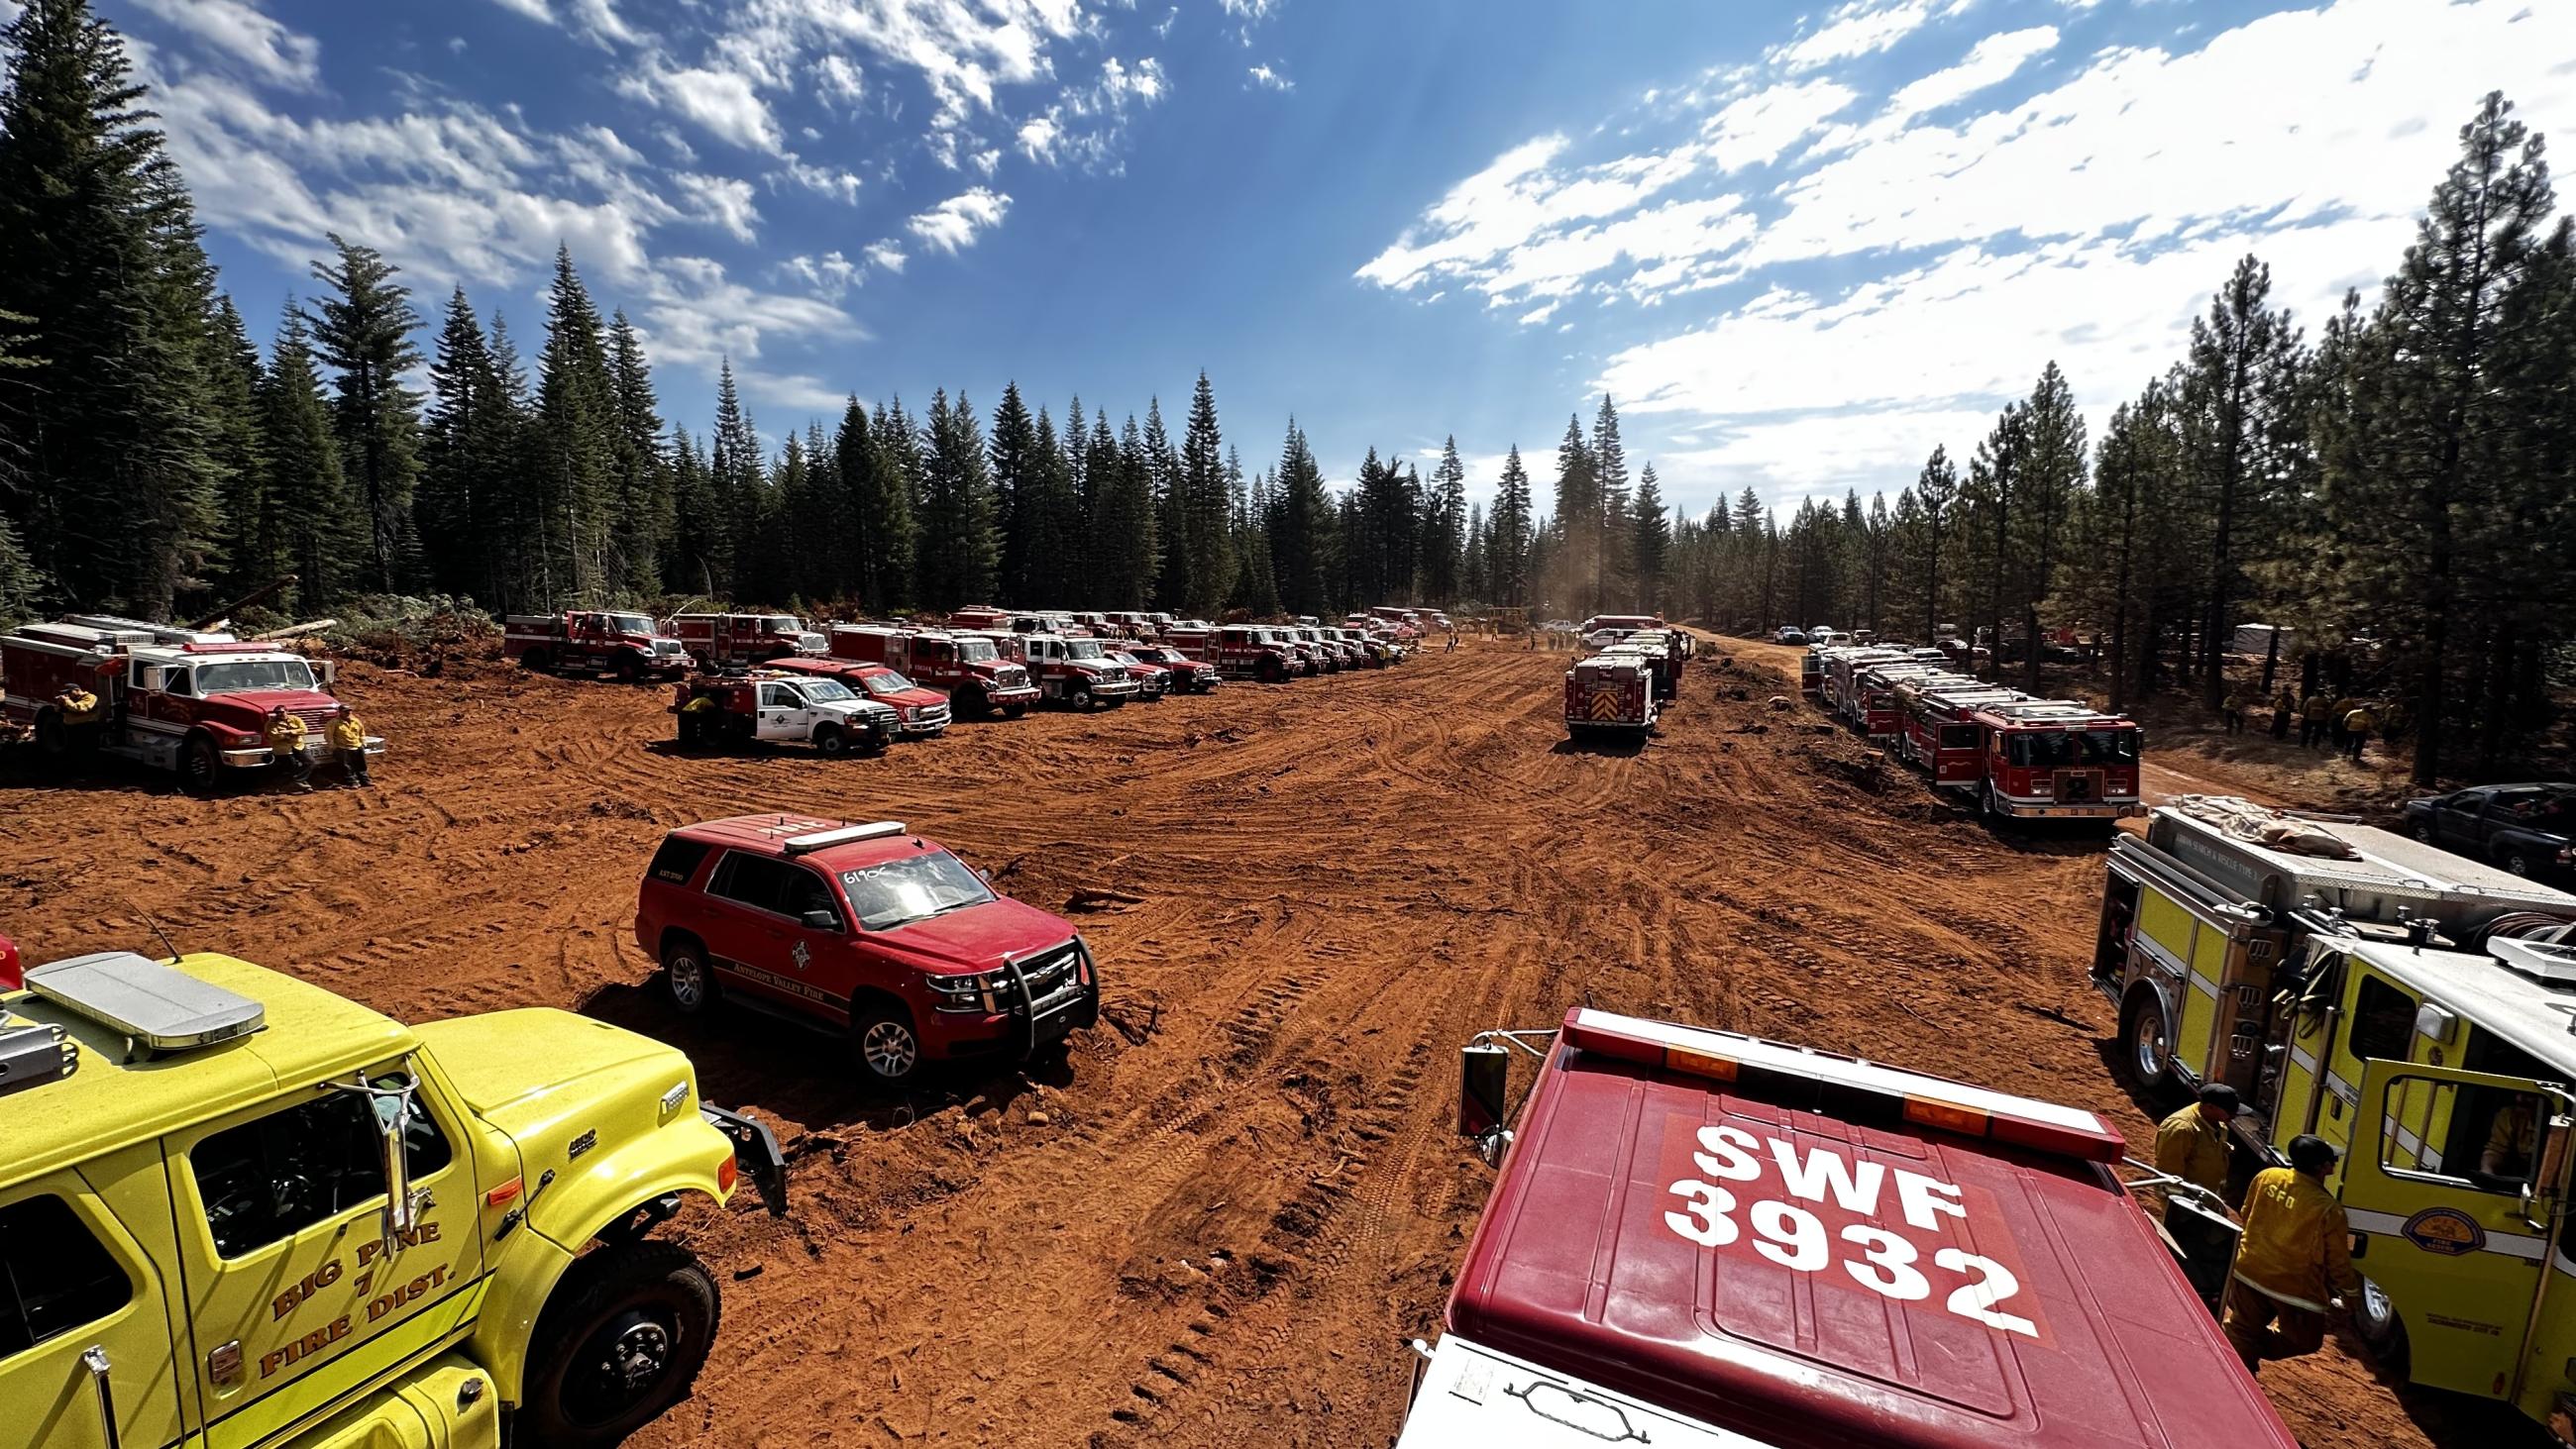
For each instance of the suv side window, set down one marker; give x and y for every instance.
(801, 890)
(778, 696)
(678, 859)
(751, 880)
(271, 1178)
(55, 1275)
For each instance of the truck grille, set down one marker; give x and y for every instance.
(1053, 978)
(1010, 676)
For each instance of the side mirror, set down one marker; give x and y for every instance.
(2540, 1193)
(822, 921)
(328, 671)
(1484, 1078)
(153, 680)
(393, 1127)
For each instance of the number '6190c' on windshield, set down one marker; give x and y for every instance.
(1876, 1257)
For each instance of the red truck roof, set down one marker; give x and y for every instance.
(1817, 1251)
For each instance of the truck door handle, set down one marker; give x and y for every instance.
(94, 1358)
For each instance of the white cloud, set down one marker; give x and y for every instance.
(723, 201)
(1756, 129)
(829, 275)
(720, 102)
(839, 81)
(955, 223)
(1994, 61)
(1862, 27)
(240, 32)
(885, 257)
(1037, 138)
(842, 186)
(1536, 315)
(533, 9)
(1269, 79)
(596, 21)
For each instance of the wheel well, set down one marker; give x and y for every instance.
(868, 998)
(2144, 997)
(673, 936)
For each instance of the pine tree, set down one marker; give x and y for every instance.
(1055, 522)
(1936, 488)
(1173, 584)
(2052, 472)
(699, 545)
(576, 437)
(1653, 541)
(738, 479)
(1300, 528)
(958, 550)
(326, 534)
(455, 506)
(2240, 375)
(363, 333)
(1127, 536)
(896, 496)
(1205, 503)
(1577, 521)
(1014, 453)
(1617, 529)
(1445, 532)
(99, 248)
(1509, 550)
(246, 526)
(644, 519)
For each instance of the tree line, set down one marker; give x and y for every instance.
(2397, 490)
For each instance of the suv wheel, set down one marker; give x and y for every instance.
(831, 741)
(685, 976)
(889, 1049)
(2517, 863)
(621, 1341)
(2420, 828)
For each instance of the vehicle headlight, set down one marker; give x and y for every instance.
(973, 992)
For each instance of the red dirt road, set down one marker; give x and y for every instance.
(1218, 1220)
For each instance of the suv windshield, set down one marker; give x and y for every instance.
(254, 674)
(826, 691)
(917, 886)
(883, 682)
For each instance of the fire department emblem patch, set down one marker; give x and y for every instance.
(800, 955)
(2447, 1231)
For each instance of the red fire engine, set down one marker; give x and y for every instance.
(1239, 651)
(1940, 736)
(1841, 665)
(1699, 1240)
(969, 666)
(1610, 693)
(2056, 759)
(720, 639)
(608, 643)
(173, 699)
(1874, 706)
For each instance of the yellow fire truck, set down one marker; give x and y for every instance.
(2409, 1006)
(239, 1212)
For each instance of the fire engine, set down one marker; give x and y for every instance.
(920, 712)
(172, 699)
(968, 665)
(1602, 630)
(1841, 664)
(1610, 693)
(1076, 672)
(780, 708)
(1700, 1240)
(2410, 1007)
(979, 617)
(2056, 759)
(1239, 651)
(602, 642)
(1873, 706)
(238, 1210)
(716, 640)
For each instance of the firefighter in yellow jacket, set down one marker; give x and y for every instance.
(83, 718)
(285, 741)
(2192, 1143)
(2294, 1261)
(346, 734)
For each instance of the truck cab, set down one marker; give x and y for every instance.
(971, 667)
(720, 639)
(1077, 673)
(1239, 651)
(2058, 760)
(1702, 1240)
(867, 931)
(237, 1210)
(1940, 734)
(920, 713)
(2405, 1005)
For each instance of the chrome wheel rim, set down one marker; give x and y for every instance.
(2147, 1045)
(688, 982)
(889, 1049)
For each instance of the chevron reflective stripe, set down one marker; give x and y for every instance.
(2390, 1225)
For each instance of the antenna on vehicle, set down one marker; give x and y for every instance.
(156, 930)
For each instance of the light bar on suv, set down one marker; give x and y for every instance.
(1783, 1072)
(826, 839)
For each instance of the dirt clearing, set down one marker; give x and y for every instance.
(1219, 1219)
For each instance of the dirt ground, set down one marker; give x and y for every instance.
(1218, 1220)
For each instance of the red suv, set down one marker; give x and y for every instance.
(867, 930)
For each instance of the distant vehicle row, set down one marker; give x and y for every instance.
(1620, 689)
(2011, 754)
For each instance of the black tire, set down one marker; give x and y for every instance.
(831, 741)
(2383, 1333)
(628, 671)
(1081, 699)
(974, 704)
(621, 1340)
(688, 979)
(2516, 862)
(52, 735)
(538, 660)
(1270, 672)
(2420, 829)
(2145, 1054)
(887, 1044)
(200, 771)
(1014, 711)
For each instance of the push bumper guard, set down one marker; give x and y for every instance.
(1072, 1003)
(755, 1151)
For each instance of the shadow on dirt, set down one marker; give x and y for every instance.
(2051, 837)
(745, 1058)
(1622, 746)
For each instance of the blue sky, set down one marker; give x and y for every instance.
(1799, 245)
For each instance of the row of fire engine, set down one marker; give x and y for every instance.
(860, 687)
(2011, 754)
